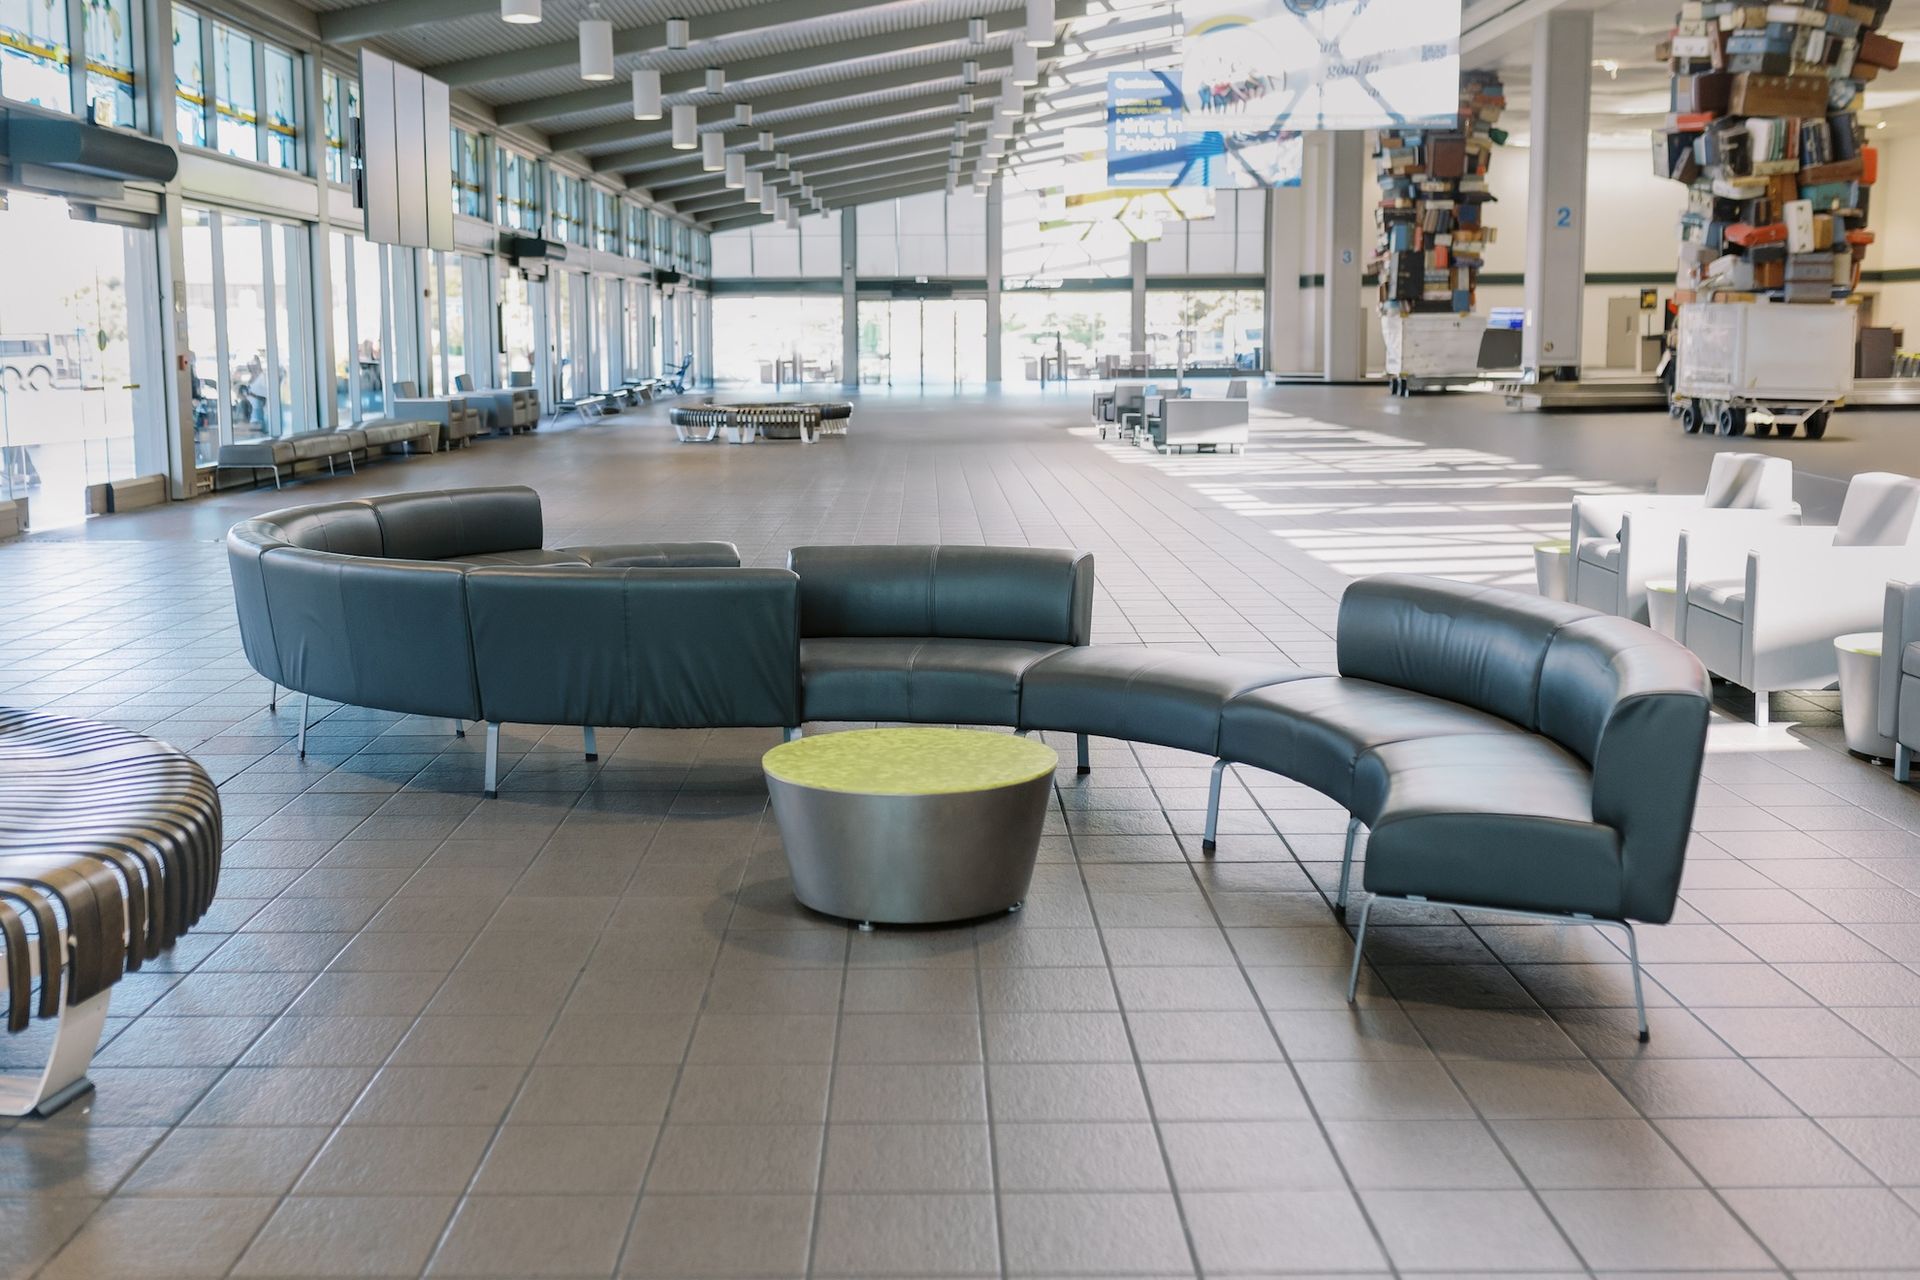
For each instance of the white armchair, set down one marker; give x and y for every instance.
(1622, 541)
(1763, 606)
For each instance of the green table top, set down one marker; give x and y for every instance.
(910, 762)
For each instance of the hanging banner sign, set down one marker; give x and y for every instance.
(1152, 141)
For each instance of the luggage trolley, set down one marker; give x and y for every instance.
(1771, 367)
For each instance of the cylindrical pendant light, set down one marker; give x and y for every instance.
(678, 33)
(782, 161)
(713, 152)
(521, 13)
(956, 149)
(736, 170)
(596, 46)
(686, 123)
(965, 104)
(742, 114)
(1039, 23)
(767, 197)
(792, 218)
(765, 140)
(716, 80)
(1002, 126)
(1026, 64)
(756, 182)
(646, 94)
(996, 147)
(976, 30)
(970, 72)
(1013, 99)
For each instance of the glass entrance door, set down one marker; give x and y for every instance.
(80, 393)
(928, 343)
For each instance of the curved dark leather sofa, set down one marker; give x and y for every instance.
(110, 848)
(1505, 752)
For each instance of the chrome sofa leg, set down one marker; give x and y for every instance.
(792, 733)
(491, 790)
(273, 696)
(1208, 841)
(459, 728)
(1346, 869)
(592, 747)
(306, 708)
(1639, 995)
(1902, 762)
(1761, 710)
(1085, 766)
(1359, 946)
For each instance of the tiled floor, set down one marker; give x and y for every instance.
(584, 1030)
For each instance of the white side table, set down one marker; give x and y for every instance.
(1552, 568)
(1662, 605)
(1859, 656)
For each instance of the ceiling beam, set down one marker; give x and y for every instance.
(384, 17)
(693, 201)
(831, 191)
(684, 162)
(824, 97)
(628, 41)
(935, 140)
(734, 223)
(681, 85)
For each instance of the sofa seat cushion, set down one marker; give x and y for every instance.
(1167, 697)
(1601, 552)
(320, 444)
(1728, 598)
(1910, 659)
(1314, 731)
(257, 453)
(916, 680)
(659, 555)
(535, 556)
(1497, 820)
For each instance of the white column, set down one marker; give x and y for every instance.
(849, 299)
(1345, 224)
(1285, 262)
(1557, 191)
(1137, 308)
(995, 251)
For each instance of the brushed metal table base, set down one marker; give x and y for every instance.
(911, 859)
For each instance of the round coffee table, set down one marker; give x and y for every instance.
(911, 826)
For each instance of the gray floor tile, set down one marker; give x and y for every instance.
(347, 1236)
(719, 1236)
(534, 1236)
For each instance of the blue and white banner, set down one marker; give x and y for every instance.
(1155, 141)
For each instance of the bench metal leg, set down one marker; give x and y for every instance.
(792, 734)
(1083, 765)
(1207, 840)
(1902, 762)
(1346, 869)
(592, 747)
(459, 728)
(306, 708)
(273, 696)
(1633, 959)
(1359, 946)
(63, 1077)
(492, 788)
(1761, 711)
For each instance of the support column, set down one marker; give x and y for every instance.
(1137, 310)
(175, 398)
(1557, 192)
(849, 299)
(1283, 265)
(1345, 223)
(995, 205)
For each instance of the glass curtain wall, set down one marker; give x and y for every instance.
(248, 309)
(519, 298)
(1063, 328)
(923, 342)
(80, 376)
(788, 338)
(1206, 328)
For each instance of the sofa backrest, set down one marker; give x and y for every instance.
(1881, 509)
(406, 390)
(1193, 415)
(653, 648)
(955, 592)
(1749, 480)
(463, 382)
(1480, 646)
(446, 524)
(1634, 705)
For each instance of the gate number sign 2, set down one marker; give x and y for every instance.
(1563, 216)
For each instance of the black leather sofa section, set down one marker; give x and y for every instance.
(933, 634)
